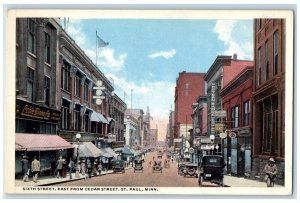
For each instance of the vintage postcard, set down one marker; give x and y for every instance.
(149, 102)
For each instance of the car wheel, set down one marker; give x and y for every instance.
(200, 181)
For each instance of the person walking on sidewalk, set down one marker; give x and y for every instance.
(25, 168)
(89, 168)
(59, 167)
(71, 166)
(83, 167)
(35, 168)
(53, 166)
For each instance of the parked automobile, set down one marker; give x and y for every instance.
(138, 165)
(190, 170)
(211, 169)
(118, 166)
(157, 167)
(180, 168)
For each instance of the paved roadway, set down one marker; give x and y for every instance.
(168, 177)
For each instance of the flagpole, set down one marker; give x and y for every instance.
(96, 49)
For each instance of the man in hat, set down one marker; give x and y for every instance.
(271, 169)
(25, 167)
(35, 168)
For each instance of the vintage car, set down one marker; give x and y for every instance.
(159, 154)
(181, 166)
(138, 165)
(211, 169)
(118, 166)
(190, 170)
(157, 167)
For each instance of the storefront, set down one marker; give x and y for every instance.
(45, 147)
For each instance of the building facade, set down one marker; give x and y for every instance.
(146, 128)
(76, 77)
(237, 102)
(116, 111)
(37, 113)
(138, 115)
(188, 87)
(221, 72)
(171, 128)
(269, 95)
(131, 131)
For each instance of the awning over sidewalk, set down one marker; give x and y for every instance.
(98, 117)
(109, 152)
(88, 149)
(40, 142)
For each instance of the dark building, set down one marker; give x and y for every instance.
(268, 95)
(37, 114)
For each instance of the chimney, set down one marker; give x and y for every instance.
(235, 56)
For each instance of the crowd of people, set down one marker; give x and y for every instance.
(62, 167)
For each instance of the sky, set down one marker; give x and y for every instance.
(146, 55)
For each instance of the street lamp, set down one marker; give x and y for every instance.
(217, 147)
(78, 136)
(212, 139)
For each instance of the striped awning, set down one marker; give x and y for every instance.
(98, 117)
(88, 149)
(40, 142)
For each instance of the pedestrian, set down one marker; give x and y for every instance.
(99, 168)
(271, 171)
(53, 166)
(25, 168)
(89, 168)
(83, 167)
(95, 166)
(71, 166)
(35, 168)
(59, 166)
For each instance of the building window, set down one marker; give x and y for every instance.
(100, 128)
(47, 90)
(186, 89)
(246, 113)
(275, 53)
(259, 67)
(31, 36)
(266, 61)
(86, 91)
(77, 120)
(65, 77)
(86, 121)
(93, 94)
(30, 79)
(258, 24)
(65, 116)
(77, 86)
(235, 117)
(93, 126)
(47, 48)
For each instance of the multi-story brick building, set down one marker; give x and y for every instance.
(237, 102)
(77, 75)
(269, 95)
(37, 113)
(188, 87)
(221, 72)
(117, 111)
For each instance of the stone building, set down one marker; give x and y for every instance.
(269, 95)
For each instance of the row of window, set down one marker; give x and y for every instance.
(30, 83)
(267, 60)
(235, 115)
(31, 41)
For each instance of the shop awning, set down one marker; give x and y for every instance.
(109, 152)
(88, 149)
(40, 142)
(95, 117)
(109, 119)
(102, 119)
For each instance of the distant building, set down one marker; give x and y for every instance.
(269, 95)
(170, 130)
(188, 87)
(154, 137)
(146, 128)
(131, 131)
(116, 112)
(137, 114)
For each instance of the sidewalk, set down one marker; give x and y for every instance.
(243, 182)
(49, 180)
